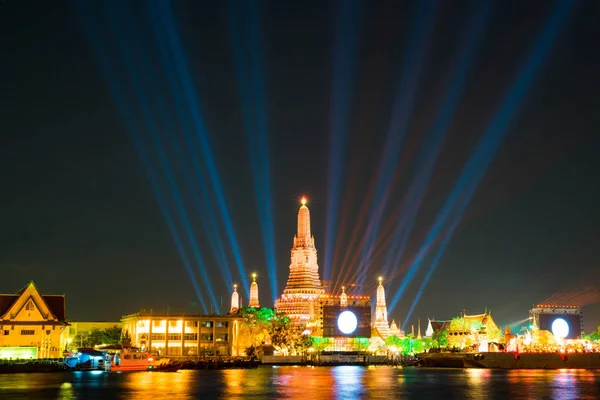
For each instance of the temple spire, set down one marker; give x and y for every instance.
(235, 300)
(253, 293)
(381, 322)
(343, 297)
(303, 238)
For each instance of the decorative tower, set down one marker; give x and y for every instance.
(343, 298)
(381, 322)
(235, 300)
(303, 287)
(253, 293)
(394, 330)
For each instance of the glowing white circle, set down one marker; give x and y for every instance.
(560, 328)
(347, 322)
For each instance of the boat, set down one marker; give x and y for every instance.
(128, 360)
(511, 360)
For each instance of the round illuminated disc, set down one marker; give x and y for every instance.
(560, 328)
(347, 322)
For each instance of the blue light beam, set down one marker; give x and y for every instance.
(202, 200)
(344, 68)
(477, 165)
(187, 84)
(472, 36)
(402, 110)
(244, 24)
(110, 76)
(134, 73)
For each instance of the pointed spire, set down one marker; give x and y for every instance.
(235, 300)
(380, 293)
(419, 329)
(253, 293)
(381, 322)
(343, 297)
(394, 330)
(303, 238)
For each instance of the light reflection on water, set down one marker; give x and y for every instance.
(307, 383)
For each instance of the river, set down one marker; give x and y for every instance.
(308, 383)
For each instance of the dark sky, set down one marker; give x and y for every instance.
(78, 214)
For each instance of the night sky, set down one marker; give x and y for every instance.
(83, 88)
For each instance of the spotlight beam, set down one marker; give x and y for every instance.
(491, 138)
(402, 110)
(344, 67)
(110, 76)
(126, 53)
(245, 34)
(187, 85)
(201, 200)
(432, 147)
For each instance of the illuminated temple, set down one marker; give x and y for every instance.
(300, 298)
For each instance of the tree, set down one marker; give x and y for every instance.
(394, 341)
(441, 337)
(594, 336)
(111, 335)
(96, 337)
(254, 329)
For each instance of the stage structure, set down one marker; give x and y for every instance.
(562, 321)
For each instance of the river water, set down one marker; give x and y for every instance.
(308, 383)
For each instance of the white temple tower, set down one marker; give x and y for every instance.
(303, 287)
(253, 293)
(235, 300)
(343, 297)
(381, 322)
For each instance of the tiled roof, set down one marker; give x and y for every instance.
(6, 300)
(56, 303)
(438, 325)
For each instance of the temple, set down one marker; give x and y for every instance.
(254, 293)
(381, 322)
(235, 300)
(300, 298)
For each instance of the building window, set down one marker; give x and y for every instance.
(190, 336)
(206, 324)
(28, 332)
(157, 336)
(172, 324)
(174, 336)
(157, 323)
(221, 337)
(6, 332)
(222, 324)
(29, 306)
(206, 336)
(191, 324)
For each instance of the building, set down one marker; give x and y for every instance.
(254, 303)
(301, 295)
(182, 334)
(31, 320)
(435, 326)
(381, 322)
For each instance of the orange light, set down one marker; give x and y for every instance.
(303, 200)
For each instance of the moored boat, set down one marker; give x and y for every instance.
(134, 361)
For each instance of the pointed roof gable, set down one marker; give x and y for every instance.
(52, 307)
